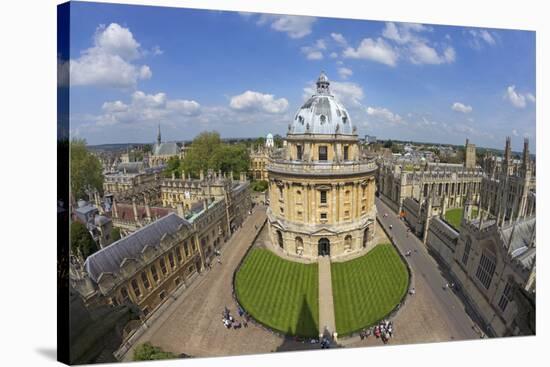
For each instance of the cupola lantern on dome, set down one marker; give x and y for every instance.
(322, 113)
(323, 84)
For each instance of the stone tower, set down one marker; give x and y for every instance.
(469, 155)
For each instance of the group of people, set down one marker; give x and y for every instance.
(384, 331)
(231, 322)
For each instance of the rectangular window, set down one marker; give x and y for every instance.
(323, 197)
(346, 153)
(485, 270)
(162, 295)
(177, 281)
(299, 152)
(145, 311)
(124, 294)
(323, 215)
(163, 266)
(186, 248)
(145, 280)
(178, 254)
(323, 156)
(135, 287)
(466, 252)
(154, 273)
(506, 297)
(171, 260)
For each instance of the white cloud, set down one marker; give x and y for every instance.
(414, 47)
(515, 132)
(345, 72)
(339, 38)
(314, 52)
(518, 100)
(460, 107)
(333, 55)
(384, 114)
(256, 101)
(146, 108)
(109, 61)
(293, 25)
(481, 37)
(369, 49)
(157, 51)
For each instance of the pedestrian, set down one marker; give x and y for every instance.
(219, 261)
(245, 324)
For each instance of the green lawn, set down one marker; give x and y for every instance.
(368, 288)
(278, 293)
(454, 216)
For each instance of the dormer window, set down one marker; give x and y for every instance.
(323, 119)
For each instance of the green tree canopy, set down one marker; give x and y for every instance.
(174, 165)
(259, 186)
(207, 151)
(86, 170)
(115, 234)
(81, 241)
(147, 352)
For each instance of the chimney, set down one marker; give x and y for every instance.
(147, 208)
(114, 209)
(134, 207)
(179, 207)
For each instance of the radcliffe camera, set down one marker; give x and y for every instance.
(243, 183)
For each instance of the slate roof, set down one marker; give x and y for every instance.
(169, 148)
(521, 234)
(108, 259)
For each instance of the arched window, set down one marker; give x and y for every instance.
(280, 239)
(299, 245)
(347, 243)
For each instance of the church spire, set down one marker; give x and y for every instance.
(158, 136)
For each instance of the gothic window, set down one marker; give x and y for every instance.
(466, 254)
(506, 297)
(135, 287)
(486, 269)
(280, 239)
(145, 280)
(299, 245)
(323, 155)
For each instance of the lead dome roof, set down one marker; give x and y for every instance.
(322, 113)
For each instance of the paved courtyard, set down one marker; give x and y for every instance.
(192, 324)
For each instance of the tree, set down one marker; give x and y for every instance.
(278, 141)
(86, 171)
(147, 352)
(115, 234)
(147, 148)
(174, 165)
(259, 186)
(207, 151)
(82, 242)
(259, 142)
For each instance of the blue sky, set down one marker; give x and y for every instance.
(244, 75)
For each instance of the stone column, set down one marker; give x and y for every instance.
(333, 202)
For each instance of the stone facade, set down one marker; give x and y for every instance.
(321, 189)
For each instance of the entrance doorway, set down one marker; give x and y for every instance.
(324, 247)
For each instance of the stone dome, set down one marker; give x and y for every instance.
(322, 113)
(269, 136)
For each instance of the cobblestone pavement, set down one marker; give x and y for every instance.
(434, 313)
(193, 323)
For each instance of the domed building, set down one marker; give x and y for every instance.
(321, 189)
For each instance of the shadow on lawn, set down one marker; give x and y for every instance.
(306, 326)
